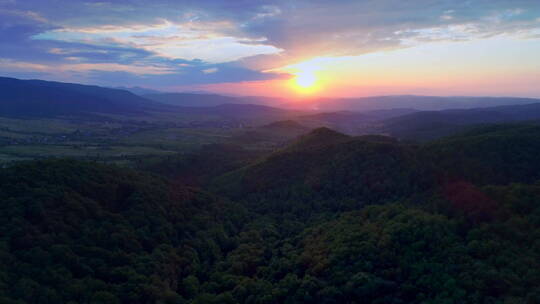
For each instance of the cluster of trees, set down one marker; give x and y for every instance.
(89, 233)
(329, 219)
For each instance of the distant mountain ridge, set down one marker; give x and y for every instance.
(139, 90)
(424, 103)
(360, 104)
(48, 98)
(38, 98)
(201, 99)
(431, 124)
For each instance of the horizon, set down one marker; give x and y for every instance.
(293, 98)
(275, 48)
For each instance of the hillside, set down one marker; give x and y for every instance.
(432, 124)
(330, 166)
(492, 154)
(37, 98)
(31, 99)
(326, 164)
(199, 167)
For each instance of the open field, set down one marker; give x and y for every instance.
(179, 138)
(41, 126)
(121, 139)
(32, 151)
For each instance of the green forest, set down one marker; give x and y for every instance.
(328, 218)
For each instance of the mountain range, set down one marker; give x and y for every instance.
(47, 98)
(361, 104)
(414, 117)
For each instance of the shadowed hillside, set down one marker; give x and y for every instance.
(331, 165)
(44, 98)
(328, 164)
(429, 125)
(97, 234)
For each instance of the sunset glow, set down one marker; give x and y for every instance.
(305, 82)
(279, 48)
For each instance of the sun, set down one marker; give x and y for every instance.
(305, 79)
(305, 82)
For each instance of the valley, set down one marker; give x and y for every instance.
(247, 203)
(126, 128)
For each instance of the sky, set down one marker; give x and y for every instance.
(289, 48)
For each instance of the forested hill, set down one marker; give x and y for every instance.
(88, 233)
(336, 165)
(425, 125)
(330, 218)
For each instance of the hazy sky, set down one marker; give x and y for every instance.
(285, 48)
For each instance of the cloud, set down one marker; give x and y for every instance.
(316, 29)
(181, 40)
(112, 67)
(168, 73)
(85, 67)
(8, 64)
(210, 70)
(204, 41)
(17, 25)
